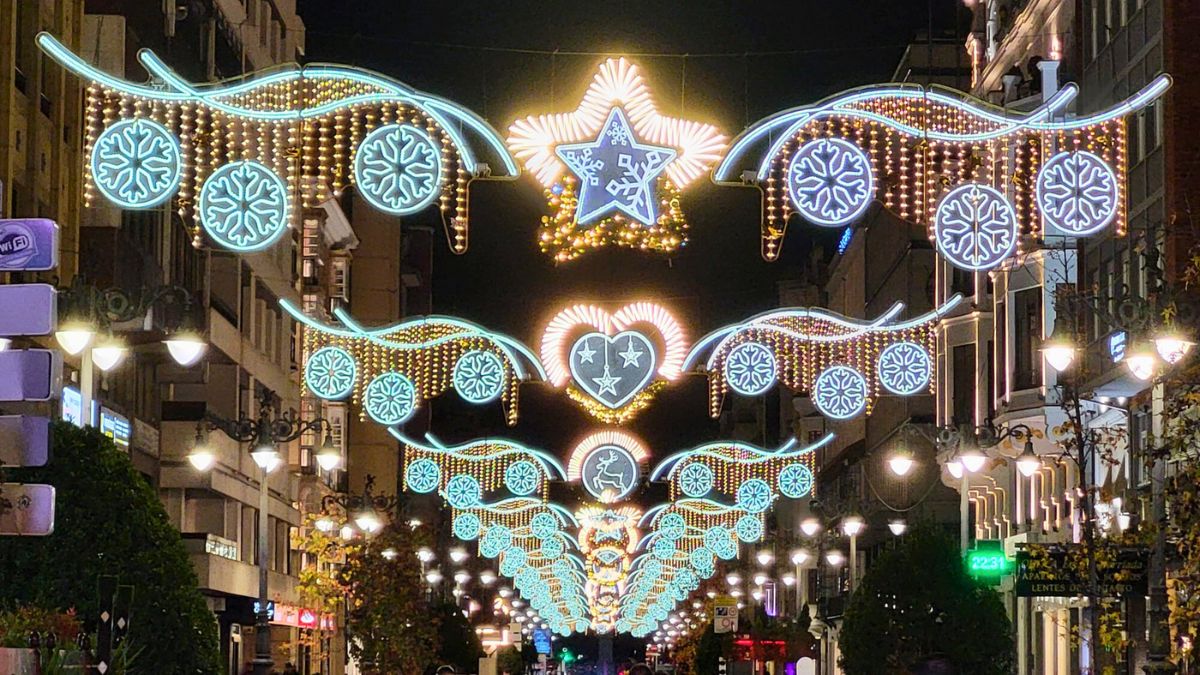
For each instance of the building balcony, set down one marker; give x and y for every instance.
(220, 574)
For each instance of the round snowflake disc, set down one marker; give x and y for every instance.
(135, 163)
(463, 491)
(749, 529)
(754, 495)
(479, 376)
(904, 368)
(522, 477)
(330, 373)
(391, 398)
(750, 369)
(423, 475)
(1077, 192)
(244, 206)
(829, 181)
(398, 169)
(975, 227)
(840, 392)
(695, 480)
(795, 481)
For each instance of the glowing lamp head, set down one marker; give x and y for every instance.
(462, 577)
(425, 555)
(74, 337)
(1028, 463)
(834, 557)
(852, 526)
(186, 347)
(487, 577)
(810, 526)
(328, 457)
(1141, 360)
(799, 557)
(955, 467)
(109, 354)
(5, 343)
(901, 463)
(265, 455)
(324, 524)
(434, 577)
(972, 459)
(1060, 355)
(368, 521)
(733, 579)
(458, 554)
(389, 553)
(788, 579)
(765, 557)
(202, 458)
(1172, 347)
(898, 526)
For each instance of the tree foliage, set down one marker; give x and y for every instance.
(109, 522)
(917, 604)
(510, 661)
(458, 645)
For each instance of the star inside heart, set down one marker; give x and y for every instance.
(613, 369)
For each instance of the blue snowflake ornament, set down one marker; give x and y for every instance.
(522, 477)
(398, 169)
(795, 481)
(478, 376)
(330, 373)
(696, 479)
(750, 369)
(1077, 192)
(463, 491)
(243, 206)
(904, 368)
(423, 475)
(754, 495)
(390, 398)
(749, 529)
(840, 392)
(466, 526)
(136, 163)
(975, 227)
(829, 181)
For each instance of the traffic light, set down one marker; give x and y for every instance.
(566, 656)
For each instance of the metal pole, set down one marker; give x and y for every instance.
(964, 514)
(86, 385)
(800, 579)
(1160, 632)
(853, 562)
(262, 619)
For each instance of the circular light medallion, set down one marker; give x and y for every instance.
(904, 368)
(463, 491)
(423, 475)
(840, 392)
(750, 369)
(795, 481)
(609, 473)
(244, 206)
(478, 376)
(136, 163)
(466, 526)
(830, 182)
(672, 526)
(522, 477)
(695, 479)
(1077, 192)
(495, 541)
(975, 227)
(543, 526)
(398, 169)
(330, 372)
(749, 529)
(390, 398)
(754, 495)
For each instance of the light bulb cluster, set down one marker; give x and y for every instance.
(561, 236)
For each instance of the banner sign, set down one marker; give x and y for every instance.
(725, 615)
(1048, 571)
(30, 512)
(30, 374)
(28, 245)
(30, 309)
(24, 441)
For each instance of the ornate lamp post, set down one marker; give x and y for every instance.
(364, 509)
(265, 432)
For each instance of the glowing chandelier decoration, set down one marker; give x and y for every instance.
(613, 364)
(239, 157)
(720, 494)
(980, 178)
(390, 371)
(841, 363)
(614, 168)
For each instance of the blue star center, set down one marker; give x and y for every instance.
(616, 172)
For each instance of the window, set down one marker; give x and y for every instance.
(1027, 338)
(963, 386)
(1095, 32)
(1001, 349)
(962, 281)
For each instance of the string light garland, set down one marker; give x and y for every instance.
(405, 149)
(417, 359)
(910, 146)
(613, 168)
(842, 363)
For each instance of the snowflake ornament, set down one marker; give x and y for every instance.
(975, 227)
(749, 529)
(750, 369)
(463, 491)
(330, 373)
(398, 169)
(423, 475)
(904, 368)
(244, 206)
(522, 477)
(390, 398)
(830, 182)
(840, 392)
(466, 526)
(136, 163)
(1077, 192)
(754, 495)
(696, 480)
(795, 481)
(478, 376)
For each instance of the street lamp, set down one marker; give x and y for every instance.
(901, 463)
(972, 458)
(834, 557)
(1172, 346)
(109, 353)
(266, 432)
(1059, 348)
(329, 456)
(365, 508)
(765, 557)
(1028, 462)
(810, 526)
(897, 526)
(1141, 360)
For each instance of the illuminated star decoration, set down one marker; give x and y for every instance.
(598, 200)
(616, 172)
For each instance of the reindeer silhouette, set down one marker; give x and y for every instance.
(606, 478)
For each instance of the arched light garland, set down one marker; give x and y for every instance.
(920, 143)
(796, 346)
(608, 537)
(433, 353)
(583, 339)
(617, 114)
(403, 148)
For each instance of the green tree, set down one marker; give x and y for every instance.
(109, 521)
(510, 661)
(459, 646)
(916, 605)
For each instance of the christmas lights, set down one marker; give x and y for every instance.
(608, 464)
(613, 168)
(402, 148)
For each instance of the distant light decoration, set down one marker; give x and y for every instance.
(795, 481)
(840, 392)
(330, 373)
(905, 368)
(486, 462)
(607, 463)
(463, 491)
(749, 529)
(422, 475)
(754, 495)
(304, 123)
(522, 478)
(750, 369)
(244, 206)
(609, 362)
(924, 141)
(135, 163)
(614, 145)
(467, 526)
(844, 240)
(398, 169)
(1077, 192)
(696, 480)
(804, 342)
(830, 181)
(390, 399)
(975, 227)
(479, 376)
(608, 536)
(430, 351)
(495, 541)
(543, 526)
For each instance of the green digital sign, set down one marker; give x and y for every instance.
(987, 560)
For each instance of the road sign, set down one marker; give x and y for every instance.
(28, 245)
(28, 309)
(725, 615)
(30, 374)
(24, 441)
(541, 641)
(30, 510)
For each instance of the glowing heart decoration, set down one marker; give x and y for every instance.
(612, 364)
